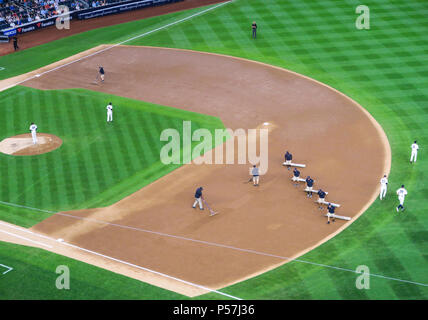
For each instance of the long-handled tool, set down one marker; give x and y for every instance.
(212, 212)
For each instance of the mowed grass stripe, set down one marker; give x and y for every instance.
(98, 162)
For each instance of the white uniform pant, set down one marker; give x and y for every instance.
(33, 135)
(413, 156)
(321, 200)
(198, 200)
(401, 199)
(256, 179)
(287, 162)
(109, 116)
(383, 189)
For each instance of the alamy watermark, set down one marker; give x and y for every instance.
(178, 149)
(63, 280)
(363, 281)
(363, 20)
(63, 19)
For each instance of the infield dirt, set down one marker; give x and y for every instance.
(345, 151)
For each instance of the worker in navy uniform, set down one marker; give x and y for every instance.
(102, 73)
(309, 185)
(198, 198)
(321, 196)
(288, 157)
(330, 212)
(296, 174)
(254, 29)
(15, 43)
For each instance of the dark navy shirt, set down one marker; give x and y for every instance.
(296, 172)
(102, 70)
(288, 156)
(321, 193)
(198, 193)
(310, 182)
(330, 209)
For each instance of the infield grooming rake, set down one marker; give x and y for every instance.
(212, 212)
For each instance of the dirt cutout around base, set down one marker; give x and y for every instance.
(343, 147)
(22, 145)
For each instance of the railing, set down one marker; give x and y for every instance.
(84, 14)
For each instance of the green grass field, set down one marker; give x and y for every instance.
(384, 69)
(98, 164)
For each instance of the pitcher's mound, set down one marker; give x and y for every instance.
(22, 145)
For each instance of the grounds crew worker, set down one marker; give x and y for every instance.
(296, 174)
(330, 212)
(198, 198)
(101, 71)
(288, 157)
(321, 196)
(254, 29)
(309, 185)
(15, 43)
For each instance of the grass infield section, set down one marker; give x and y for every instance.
(98, 164)
(384, 69)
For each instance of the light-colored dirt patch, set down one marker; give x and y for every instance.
(22, 145)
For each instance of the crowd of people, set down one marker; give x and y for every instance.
(14, 13)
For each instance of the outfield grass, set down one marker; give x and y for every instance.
(385, 70)
(86, 281)
(98, 164)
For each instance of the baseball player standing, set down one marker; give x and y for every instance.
(198, 198)
(33, 129)
(256, 177)
(401, 195)
(415, 149)
(109, 112)
(383, 187)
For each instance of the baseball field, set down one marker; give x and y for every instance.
(346, 102)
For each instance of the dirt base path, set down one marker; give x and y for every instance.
(343, 147)
(35, 38)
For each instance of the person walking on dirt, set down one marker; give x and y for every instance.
(309, 185)
(254, 29)
(330, 213)
(102, 73)
(288, 157)
(15, 43)
(256, 177)
(321, 196)
(296, 175)
(198, 198)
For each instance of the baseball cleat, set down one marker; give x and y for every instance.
(396, 209)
